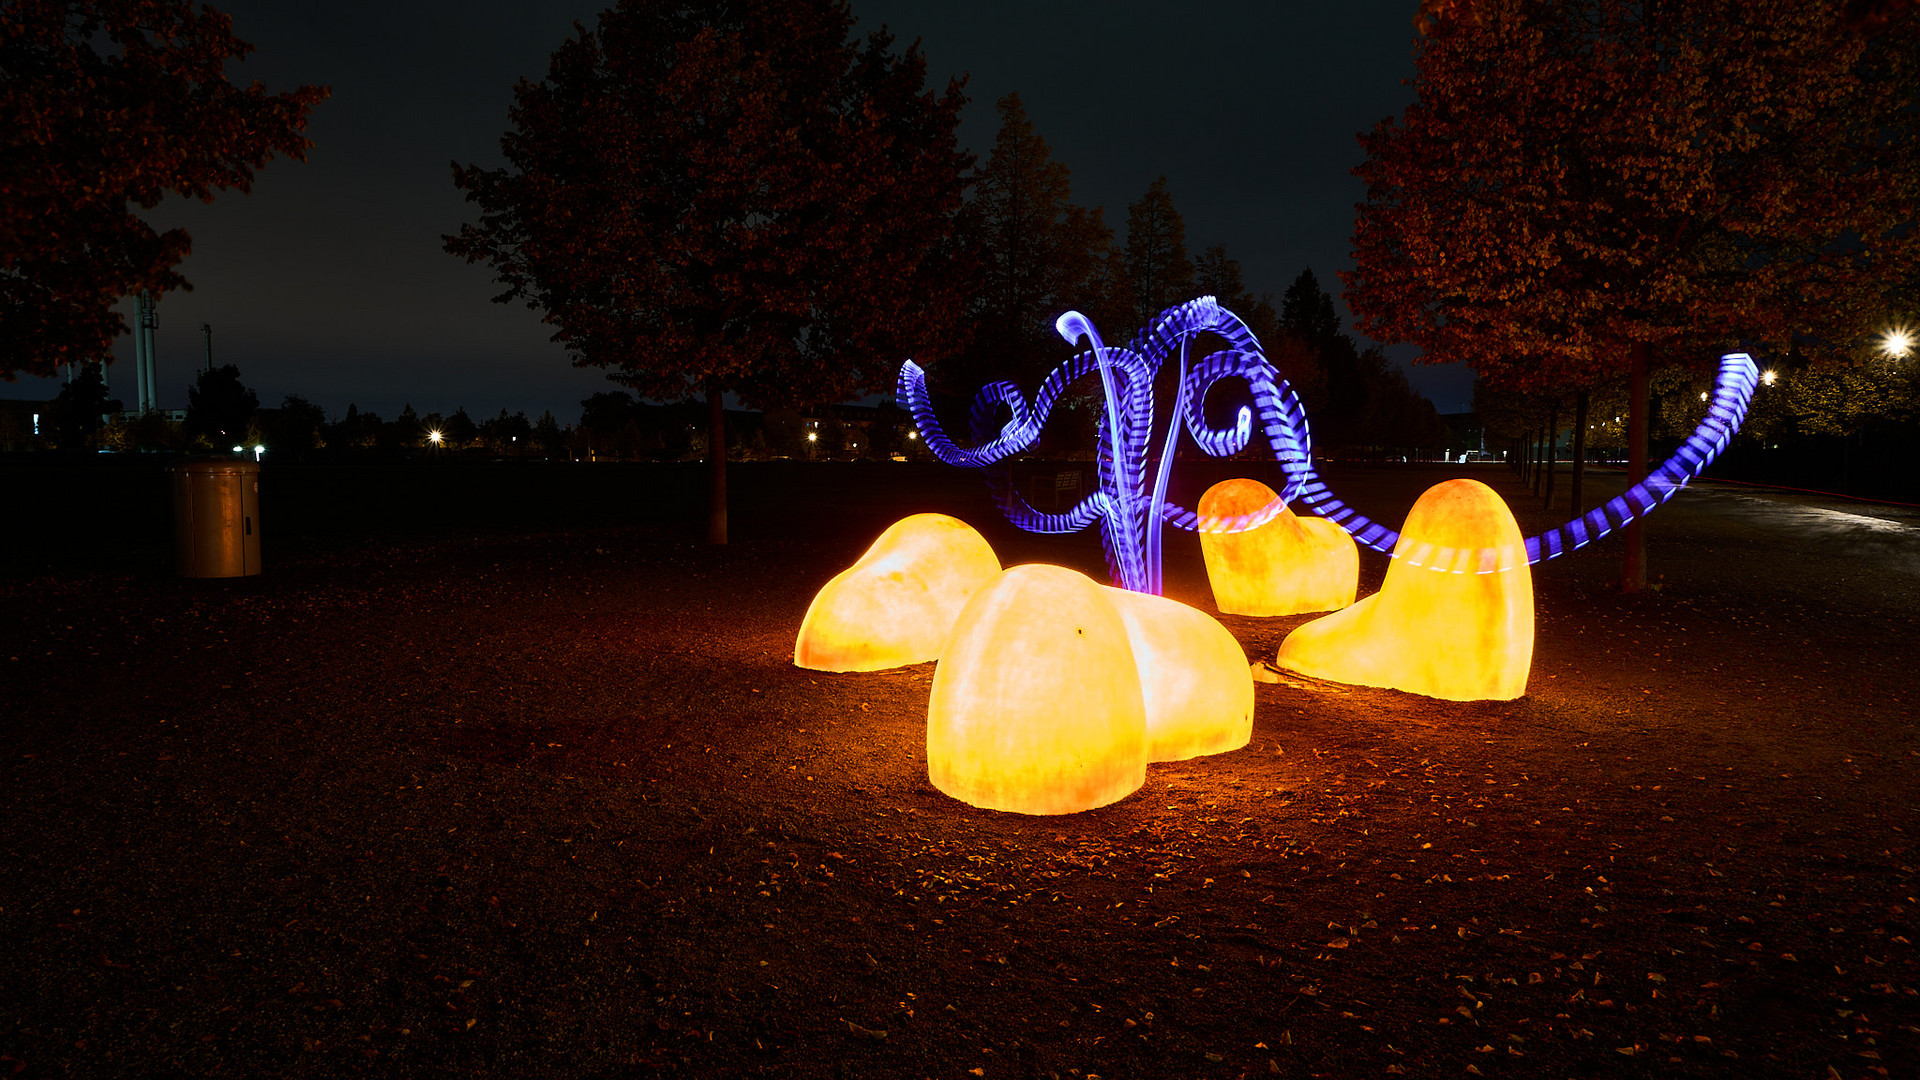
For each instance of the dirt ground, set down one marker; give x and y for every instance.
(523, 801)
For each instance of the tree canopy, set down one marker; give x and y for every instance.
(1033, 253)
(1159, 274)
(711, 196)
(1582, 177)
(219, 406)
(107, 106)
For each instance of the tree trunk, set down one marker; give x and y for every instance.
(716, 467)
(1553, 440)
(1633, 572)
(1579, 450)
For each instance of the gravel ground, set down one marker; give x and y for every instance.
(504, 774)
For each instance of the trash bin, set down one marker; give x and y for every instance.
(216, 517)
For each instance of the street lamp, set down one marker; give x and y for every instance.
(1896, 343)
(435, 437)
(1769, 376)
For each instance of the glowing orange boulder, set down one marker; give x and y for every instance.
(1194, 678)
(1288, 565)
(1454, 618)
(1036, 705)
(895, 605)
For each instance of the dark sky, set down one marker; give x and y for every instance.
(328, 281)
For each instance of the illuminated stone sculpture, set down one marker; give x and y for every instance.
(1130, 510)
(1193, 674)
(1454, 618)
(1036, 705)
(895, 605)
(1289, 565)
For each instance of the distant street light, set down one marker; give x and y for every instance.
(435, 437)
(1769, 376)
(1896, 343)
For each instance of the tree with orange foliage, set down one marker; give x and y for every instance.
(1585, 188)
(107, 105)
(711, 197)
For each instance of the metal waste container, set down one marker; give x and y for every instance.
(216, 517)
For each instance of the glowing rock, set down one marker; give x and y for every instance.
(894, 606)
(1036, 704)
(1194, 677)
(1288, 565)
(1464, 632)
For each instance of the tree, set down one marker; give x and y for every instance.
(108, 105)
(355, 431)
(1033, 254)
(507, 434)
(1585, 189)
(404, 432)
(296, 429)
(219, 406)
(459, 429)
(79, 407)
(1159, 275)
(547, 434)
(1216, 275)
(712, 197)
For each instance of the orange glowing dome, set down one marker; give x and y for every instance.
(1194, 677)
(1462, 632)
(895, 605)
(1036, 704)
(1288, 565)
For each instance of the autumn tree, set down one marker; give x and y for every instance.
(1158, 272)
(1033, 253)
(1585, 189)
(106, 107)
(710, 197)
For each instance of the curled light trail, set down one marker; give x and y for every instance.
(1129, 512)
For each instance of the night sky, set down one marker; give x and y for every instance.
(328, 281)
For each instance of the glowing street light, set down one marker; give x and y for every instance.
(1769, 376)
(435, 437)
(1896, 343)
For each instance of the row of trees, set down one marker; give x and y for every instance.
(1586, 192)
(710, 198)
(1031, 253)
(223, 412)
(706, 197)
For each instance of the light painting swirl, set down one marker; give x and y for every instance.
(1130, 507)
